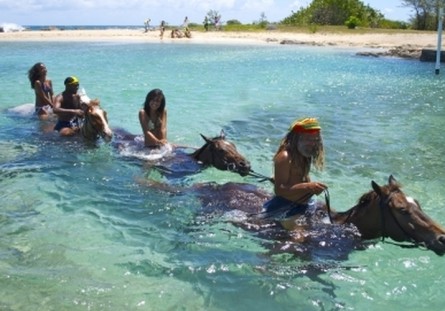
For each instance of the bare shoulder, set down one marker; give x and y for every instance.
(142, 113)
(282, 157)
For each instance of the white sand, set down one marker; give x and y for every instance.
(369, 40)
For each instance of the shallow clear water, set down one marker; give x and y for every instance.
(78, 231)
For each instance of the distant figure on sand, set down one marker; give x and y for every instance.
(153, 119)
(162, 28)
(185, 24)
(43, 89)
(67, 106)
(206, 23)
(147, 24)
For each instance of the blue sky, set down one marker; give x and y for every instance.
(134, 12)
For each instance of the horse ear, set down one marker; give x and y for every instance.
(205, 138)
(392, 180)
(376, 187)
(222, 134)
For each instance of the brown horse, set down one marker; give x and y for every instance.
(217, 152)
(95, 123)
(221, 154)
(383, 212)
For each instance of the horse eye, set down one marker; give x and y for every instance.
(403, 211)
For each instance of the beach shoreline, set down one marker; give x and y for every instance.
(346, 40)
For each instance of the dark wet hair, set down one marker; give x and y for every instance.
(34, 73)
(152, 95)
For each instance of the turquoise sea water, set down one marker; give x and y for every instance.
(78, 231)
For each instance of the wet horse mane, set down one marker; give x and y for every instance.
(370, 196)
(366, 199)
(197, 154)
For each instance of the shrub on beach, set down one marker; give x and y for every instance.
(352, 22)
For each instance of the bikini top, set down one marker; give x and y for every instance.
(46, 87)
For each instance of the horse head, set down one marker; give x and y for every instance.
(388, 212)
(222, 154)
(96, 122)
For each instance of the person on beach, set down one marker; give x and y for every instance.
(162, 27)
(294, 190)
(43, 89)
(185, 24)
(206, 23)
(153, 119)
(67, 107)
(147, 24)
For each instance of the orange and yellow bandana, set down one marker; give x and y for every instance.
(305, 125)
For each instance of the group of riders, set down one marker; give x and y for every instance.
(301, 147)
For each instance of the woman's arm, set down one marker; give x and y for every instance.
(150, 140)
(163, 129)
(292, 187)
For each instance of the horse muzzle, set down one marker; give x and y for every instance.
(243, 168)
(437, 245)
(107, 135)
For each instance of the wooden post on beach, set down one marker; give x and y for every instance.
(439, 40)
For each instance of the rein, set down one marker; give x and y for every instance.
(328, 204)
(260, 176)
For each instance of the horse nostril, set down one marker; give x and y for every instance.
(441, 239)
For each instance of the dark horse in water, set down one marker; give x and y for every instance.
(385, 211)
(217, 152)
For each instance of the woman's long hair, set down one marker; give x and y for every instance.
(34, 73)
(152, 95)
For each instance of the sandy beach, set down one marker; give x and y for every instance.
(368, 40)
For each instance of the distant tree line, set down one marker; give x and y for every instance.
(352, 13)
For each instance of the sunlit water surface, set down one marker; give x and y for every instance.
(80, 231)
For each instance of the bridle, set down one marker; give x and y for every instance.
(231, 167)
(384, 203)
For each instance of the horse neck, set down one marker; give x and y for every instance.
(365, 216)
(202, 155)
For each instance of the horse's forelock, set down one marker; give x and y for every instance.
(372, 195)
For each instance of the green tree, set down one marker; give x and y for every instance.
(263, 20)
(425, 13)
(335, 12)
